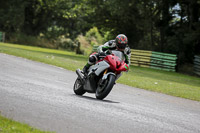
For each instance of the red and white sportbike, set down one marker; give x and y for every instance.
(101, 77)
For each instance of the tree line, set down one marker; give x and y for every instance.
(171, 26)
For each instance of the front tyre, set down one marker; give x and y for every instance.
(78, 87)
(104, 89)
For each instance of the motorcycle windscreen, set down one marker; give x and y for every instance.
(119, 54)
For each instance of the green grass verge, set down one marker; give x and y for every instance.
(10, 126)
(170, 83)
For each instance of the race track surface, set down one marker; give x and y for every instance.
(42, 96)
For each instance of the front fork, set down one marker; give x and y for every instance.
(105, 76)
(103, 79)
(105, 71)
(117, 75)
(80, 75)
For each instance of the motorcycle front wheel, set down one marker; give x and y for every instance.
(78, 87)
(104, 89)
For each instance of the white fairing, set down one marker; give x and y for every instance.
(98, 68)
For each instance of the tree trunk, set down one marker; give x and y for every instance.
(193, 14)
(164, 24)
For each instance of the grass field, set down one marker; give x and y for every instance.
(10, 126)
(170, 83)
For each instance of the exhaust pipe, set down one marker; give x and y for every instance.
(80, 75)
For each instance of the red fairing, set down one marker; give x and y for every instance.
(93, 53)
(123, 67)
(115, 63)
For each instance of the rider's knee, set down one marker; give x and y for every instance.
(92, 59)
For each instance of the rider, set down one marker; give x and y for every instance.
(120, 43)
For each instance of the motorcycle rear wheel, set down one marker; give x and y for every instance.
(78, 87)
(103, 91)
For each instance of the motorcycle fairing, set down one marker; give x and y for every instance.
(98, 68)
(90, 85)
(106, 75)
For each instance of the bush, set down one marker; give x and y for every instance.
(108, 36)
(41, 41)
(20, 38)
(66, 43)
(94, 37)
(84, 46)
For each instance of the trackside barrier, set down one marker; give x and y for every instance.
(141, 58)
(197, 65)
(2, 37)
(151, 59)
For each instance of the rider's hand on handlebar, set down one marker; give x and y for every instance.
(105, 53)
(108, 52)
(102, 54)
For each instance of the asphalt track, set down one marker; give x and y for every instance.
(41, 95)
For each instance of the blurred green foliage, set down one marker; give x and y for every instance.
(11, 126)
(171, 26)
(94, 37)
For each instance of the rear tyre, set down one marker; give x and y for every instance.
(78, 87)
(103, 90)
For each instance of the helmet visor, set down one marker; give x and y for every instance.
(121, 46)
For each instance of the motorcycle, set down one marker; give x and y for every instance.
(101, 77)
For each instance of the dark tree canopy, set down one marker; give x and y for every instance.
(171, 26)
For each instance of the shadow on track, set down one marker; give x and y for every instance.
(91, 98)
